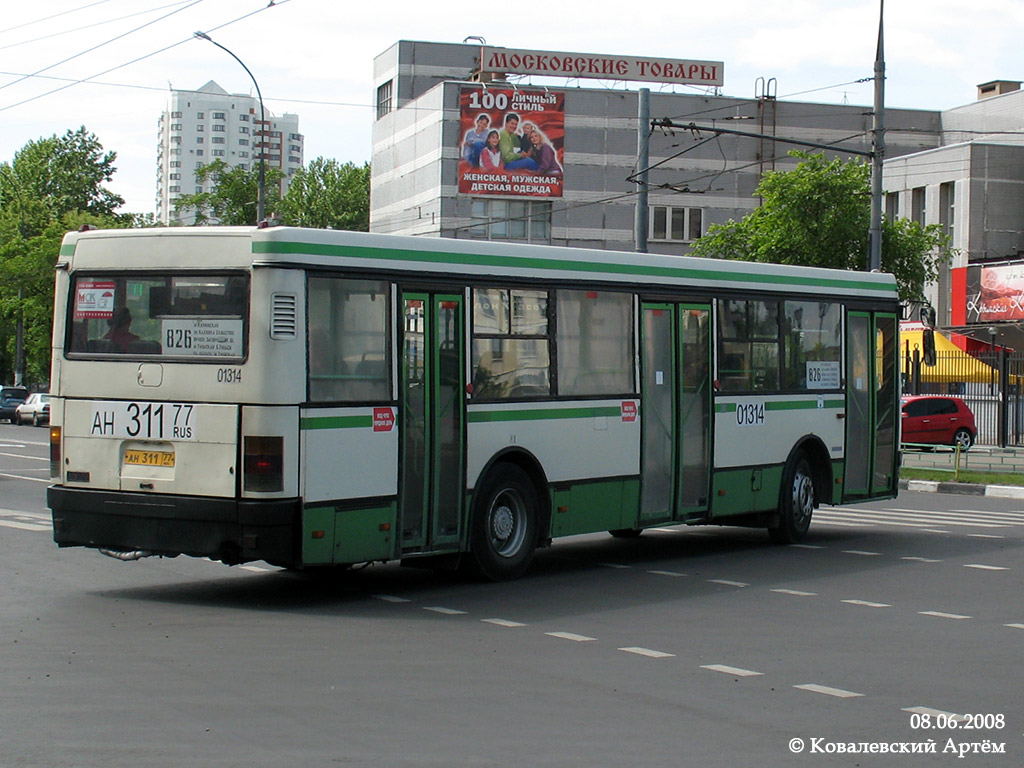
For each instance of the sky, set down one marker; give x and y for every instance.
(108, 64)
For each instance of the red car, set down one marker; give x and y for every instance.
(938, 420)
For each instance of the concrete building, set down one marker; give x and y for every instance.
(961, 168)
(198, 127)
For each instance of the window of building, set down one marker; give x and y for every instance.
(219, 116)
(244, 130)
(175, 126)
(218, 152)
(175, 115)
(200, 128)
(947, 207)
(892, 205)
(200, 115)
(218, 140)
(243, 118)
(217, 127)
(676, 224)
(243, 154)
(595, 343)
(199, 153)
(175, 139)
(917, 205)
(175, 150)
(511, 348)
(175, 188)
(174, 176)
(199, 139)
(813, 345)
(522, 220)
(384, 105)
(748, 345)
(243, 142)
(348, 340)
(175, 163)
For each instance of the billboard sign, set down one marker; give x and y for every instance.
(601, 66)
(512, 142)
(995, 293)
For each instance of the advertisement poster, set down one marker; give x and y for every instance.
(511, 142)
(94, 299)
(995, 293)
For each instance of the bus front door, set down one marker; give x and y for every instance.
(432, 401)
(872, 405)
(675, 414)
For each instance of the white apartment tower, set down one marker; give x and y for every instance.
(198, 127)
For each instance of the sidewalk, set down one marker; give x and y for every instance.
(980, 458)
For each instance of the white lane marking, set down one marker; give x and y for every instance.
(667, 573)
(1014, 626)
(255, 568)
(728, 583)
(571, 636)
(985, 536)
(840, 524)
(837, 692)
(737, 671)
(392, 599)
(24, 526)
(867, 604)
(942, 615)
(913, 521)
(504, 622)
(651, 654)
(614, 565)
(933, 530)
(796, 592)
(23, 456)
(806, 546)
(22, 515)
(981, 567)
(22, 477)
(921, 559)
(443, 610)
(861, 552)
(935, 713)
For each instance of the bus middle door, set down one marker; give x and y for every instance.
(432, 398)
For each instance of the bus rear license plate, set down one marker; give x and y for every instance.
(149, 458)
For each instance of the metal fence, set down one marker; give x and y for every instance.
(992, 386)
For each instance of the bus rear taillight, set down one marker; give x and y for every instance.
(263, 464)
(55, 453)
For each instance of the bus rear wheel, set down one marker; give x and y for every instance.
(796, 505)
(503, 530)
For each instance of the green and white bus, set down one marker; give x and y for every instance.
(314, 398)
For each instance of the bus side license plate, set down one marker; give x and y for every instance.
(149, 458)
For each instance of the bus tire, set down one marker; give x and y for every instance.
(504, 528)
(797, 502)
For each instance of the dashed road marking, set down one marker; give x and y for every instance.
(667, 573)
(25, 526)
(1014, 626)
(443, 610)
(867, 604)
(571, 636)
(504, 622)
(935, 713)
(614, 565)
(861, 552)
(921, 559)
(837, 692)
(737, 671)
(392, 599)
(942, 615)
(981, 567)
(729, 583)
(652, 654)
(796, 592)
(806, 546)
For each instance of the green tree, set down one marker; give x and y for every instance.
(328, 195)
(52, 185)
(818, 214)
(231, 199)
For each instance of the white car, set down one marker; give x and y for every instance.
(35, 409)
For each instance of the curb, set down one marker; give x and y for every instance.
(969, 489)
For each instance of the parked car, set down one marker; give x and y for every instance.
(36, 409)
(10, 399)
(938, 420)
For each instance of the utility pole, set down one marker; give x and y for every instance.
(643, 137)
(878, 155)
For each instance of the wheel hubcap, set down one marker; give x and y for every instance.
(507, 523)
(803, 498)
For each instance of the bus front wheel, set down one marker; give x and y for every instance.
(796, 504)
(503, 532)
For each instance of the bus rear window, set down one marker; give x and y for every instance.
(182, 316)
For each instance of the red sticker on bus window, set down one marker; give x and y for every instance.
(383, 419)
(94, 299)
(628, 411)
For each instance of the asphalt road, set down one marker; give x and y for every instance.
(693, 647)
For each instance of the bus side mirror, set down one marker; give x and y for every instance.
(928, 343)
(928, 317)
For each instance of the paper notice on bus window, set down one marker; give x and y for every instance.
(94, 298)
(202, 337)
(823, 374)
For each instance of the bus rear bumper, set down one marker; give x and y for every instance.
(228, 530)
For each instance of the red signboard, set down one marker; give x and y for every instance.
(995, 293)
(629, 411)
(512, 142)
(383, 419)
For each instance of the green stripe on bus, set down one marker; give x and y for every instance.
(786, 405)
(335, 422)
(532, 263)
(541, 414)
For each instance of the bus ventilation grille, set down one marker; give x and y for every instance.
(284, 316)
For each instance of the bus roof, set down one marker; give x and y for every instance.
(287, 246)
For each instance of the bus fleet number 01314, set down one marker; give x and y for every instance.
(143, 420)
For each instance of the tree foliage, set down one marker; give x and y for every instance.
(328, 195)
(232, 195)
(52, 185)
(818, 214)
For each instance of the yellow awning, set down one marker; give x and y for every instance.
(952, 364)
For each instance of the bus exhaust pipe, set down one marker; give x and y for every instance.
(127, 557)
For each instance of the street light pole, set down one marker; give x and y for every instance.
(261, 187)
